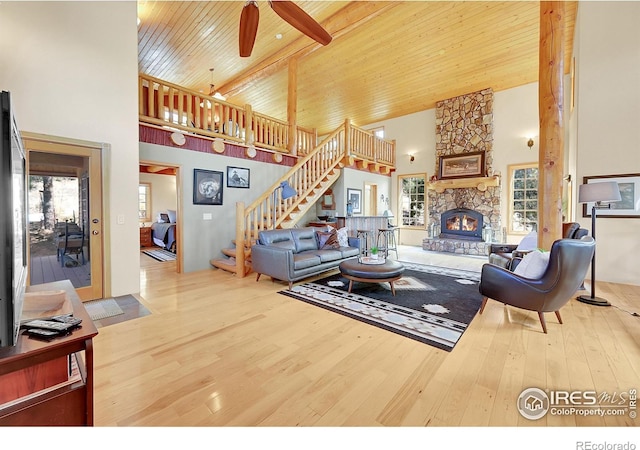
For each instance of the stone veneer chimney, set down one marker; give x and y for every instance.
(464, 124)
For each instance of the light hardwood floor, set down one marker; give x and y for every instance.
(219, 350)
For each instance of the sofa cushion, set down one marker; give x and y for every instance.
(343, 237)
(277, 238)
(305, 260)
(304, 239)
(328, 255)
(348, 252)
(327, 240)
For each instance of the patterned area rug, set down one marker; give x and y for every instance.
(103, 308)
(160, 255)
(433, 305)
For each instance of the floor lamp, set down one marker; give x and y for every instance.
(597, 192)
(287, 192)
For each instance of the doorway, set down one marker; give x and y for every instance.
(371, 199)
(161, 182)
(65, 213)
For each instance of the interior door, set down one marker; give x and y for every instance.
(371, 199)
(66, 234)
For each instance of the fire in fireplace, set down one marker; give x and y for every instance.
(461, 223)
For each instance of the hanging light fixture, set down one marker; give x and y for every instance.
(212, 88)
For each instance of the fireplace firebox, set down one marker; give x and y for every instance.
(461, 223)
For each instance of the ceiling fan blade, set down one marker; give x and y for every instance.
(248, 27)
(300, 20)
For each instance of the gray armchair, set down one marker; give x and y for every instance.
(568, 264)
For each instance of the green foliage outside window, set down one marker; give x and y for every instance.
(523, 216)
(412, 200)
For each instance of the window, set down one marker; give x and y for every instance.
(378, 132)
(144, 202)
(523, 198)
(412, 200)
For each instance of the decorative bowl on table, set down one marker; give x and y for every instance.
(323, 218)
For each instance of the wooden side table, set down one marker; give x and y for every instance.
(145, 237)
(65, 403)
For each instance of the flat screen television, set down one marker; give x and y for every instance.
(13, 224)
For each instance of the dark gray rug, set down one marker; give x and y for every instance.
(433, 305)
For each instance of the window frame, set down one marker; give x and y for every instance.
(511, 169)
(400, 210)
(147, 186)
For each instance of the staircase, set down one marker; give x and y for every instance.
(310, 178)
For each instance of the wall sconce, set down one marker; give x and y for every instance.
(530, 143)
(411, 159)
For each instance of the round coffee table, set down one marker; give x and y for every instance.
(353, 270)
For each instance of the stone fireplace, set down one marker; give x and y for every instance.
(464, 124)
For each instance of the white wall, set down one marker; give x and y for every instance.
(415, 134)
(71, 68)
(607, 52)
(515, 119)
(203, 239)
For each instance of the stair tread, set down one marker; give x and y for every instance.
(225, 264)
(233, 251)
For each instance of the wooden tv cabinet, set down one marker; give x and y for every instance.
(29, 361)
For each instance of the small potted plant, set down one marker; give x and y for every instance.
(374, 252)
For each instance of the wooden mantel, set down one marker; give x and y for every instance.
(480, 183)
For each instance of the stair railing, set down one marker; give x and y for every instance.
(305, 177)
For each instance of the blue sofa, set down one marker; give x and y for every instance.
(294, 254)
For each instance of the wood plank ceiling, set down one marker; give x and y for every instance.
(387, 59)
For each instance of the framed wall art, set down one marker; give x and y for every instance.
(629, 206)
(464, 165)
(237, 177)
(354, 196)
(207, 187)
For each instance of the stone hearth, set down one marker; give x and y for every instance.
(459, 246)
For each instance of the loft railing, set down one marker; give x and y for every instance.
(365, 145)
(166, 104)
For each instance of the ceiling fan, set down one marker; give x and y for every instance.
(287, 10)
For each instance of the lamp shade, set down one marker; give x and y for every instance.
(606, 191)
(387, 213)
(287, 190)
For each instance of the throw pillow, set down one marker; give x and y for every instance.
(328, 240)
(343, 237)
(533, 265)
(529, 242)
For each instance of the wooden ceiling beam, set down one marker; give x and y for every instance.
(347, 19)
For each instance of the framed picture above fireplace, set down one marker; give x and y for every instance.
(464, 165)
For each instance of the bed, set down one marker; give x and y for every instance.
(164, 231)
